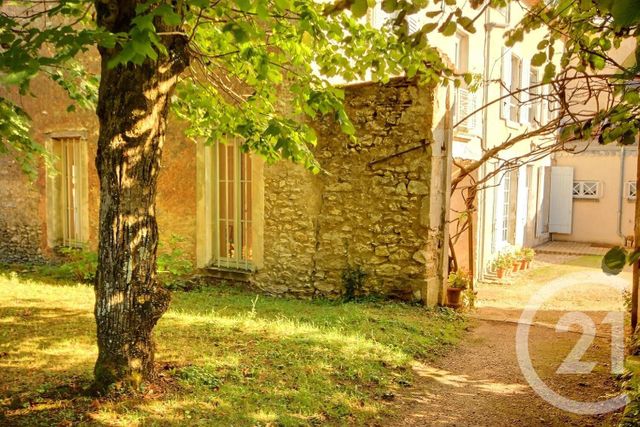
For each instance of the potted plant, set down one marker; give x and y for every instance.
(514, 262)
(458, 281)
(522, 261)
(529, 254)
(500, 264)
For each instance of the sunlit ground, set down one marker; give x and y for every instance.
(225, 358)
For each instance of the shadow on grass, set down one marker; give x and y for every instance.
(238, 362)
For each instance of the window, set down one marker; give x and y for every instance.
(465, 104)
(504, 12)
(516, 83)
(631, 190)
(229, 204)
(513, 74)
(543, 197)
(413, 24)
(67, 188)
(586, 189)
(535, 104)
(506, 188)
(501, 211)
(461, 53)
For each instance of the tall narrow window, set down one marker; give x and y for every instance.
(534, 106)
(461, 53)
(67, 193)
(506, 188)
(516, 84)
(229, 205)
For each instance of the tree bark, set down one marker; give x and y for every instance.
(132, 110)
(635, 295)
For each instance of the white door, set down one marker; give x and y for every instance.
(521, 206)
(561, 204)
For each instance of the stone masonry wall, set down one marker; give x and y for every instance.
(23, 204)
(20, 229)
(355, 212)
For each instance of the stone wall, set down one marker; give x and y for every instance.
(23, 203)
(21, 234)
(368, 207)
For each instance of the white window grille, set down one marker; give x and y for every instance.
(504, 227)
(466, 103)
(229, 205)
(413, 24)
(586, 190)
(631, 190)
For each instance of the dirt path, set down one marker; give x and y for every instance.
(481, 383)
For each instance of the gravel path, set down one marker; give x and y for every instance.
(480, 383)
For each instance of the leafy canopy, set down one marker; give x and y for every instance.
(259, 68)
(588, 35)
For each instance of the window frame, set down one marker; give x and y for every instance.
(631, 190)
(515, 100)
(461, 57)
(535, 106)
(60, 195)
(213, 203)
(585, 189)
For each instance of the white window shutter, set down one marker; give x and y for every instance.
(505, 85)
(561, 203)
(522, 206)
(413, 24)
(524, 96)
(544, 106)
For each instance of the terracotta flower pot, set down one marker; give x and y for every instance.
(523, 264)
(516, 267)
(528, 264)
(500, 272)
(454, 297)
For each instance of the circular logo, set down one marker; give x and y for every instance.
(572, 363)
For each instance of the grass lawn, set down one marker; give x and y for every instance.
(227, 357)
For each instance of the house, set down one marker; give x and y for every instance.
(382, 204)
(511, 207)
(593, 186)
(593, 194)
(279, 227)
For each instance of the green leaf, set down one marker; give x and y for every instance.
(549, 72)
(448, 28)
(467, 23)
(359, 8)
(427, 28)
(283, 4)
(633, 257)
(389, 6)
(244, 5)
(614, 260)
(538, 59)
(626, 12)
(597, 62)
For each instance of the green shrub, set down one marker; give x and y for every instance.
(78, 264)
(353, 279)
(203, 376)
(173, 261)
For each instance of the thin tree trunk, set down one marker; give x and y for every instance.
(132, 111)
(635, 307)
(471, 239)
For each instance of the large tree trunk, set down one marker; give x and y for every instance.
(132, 110)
